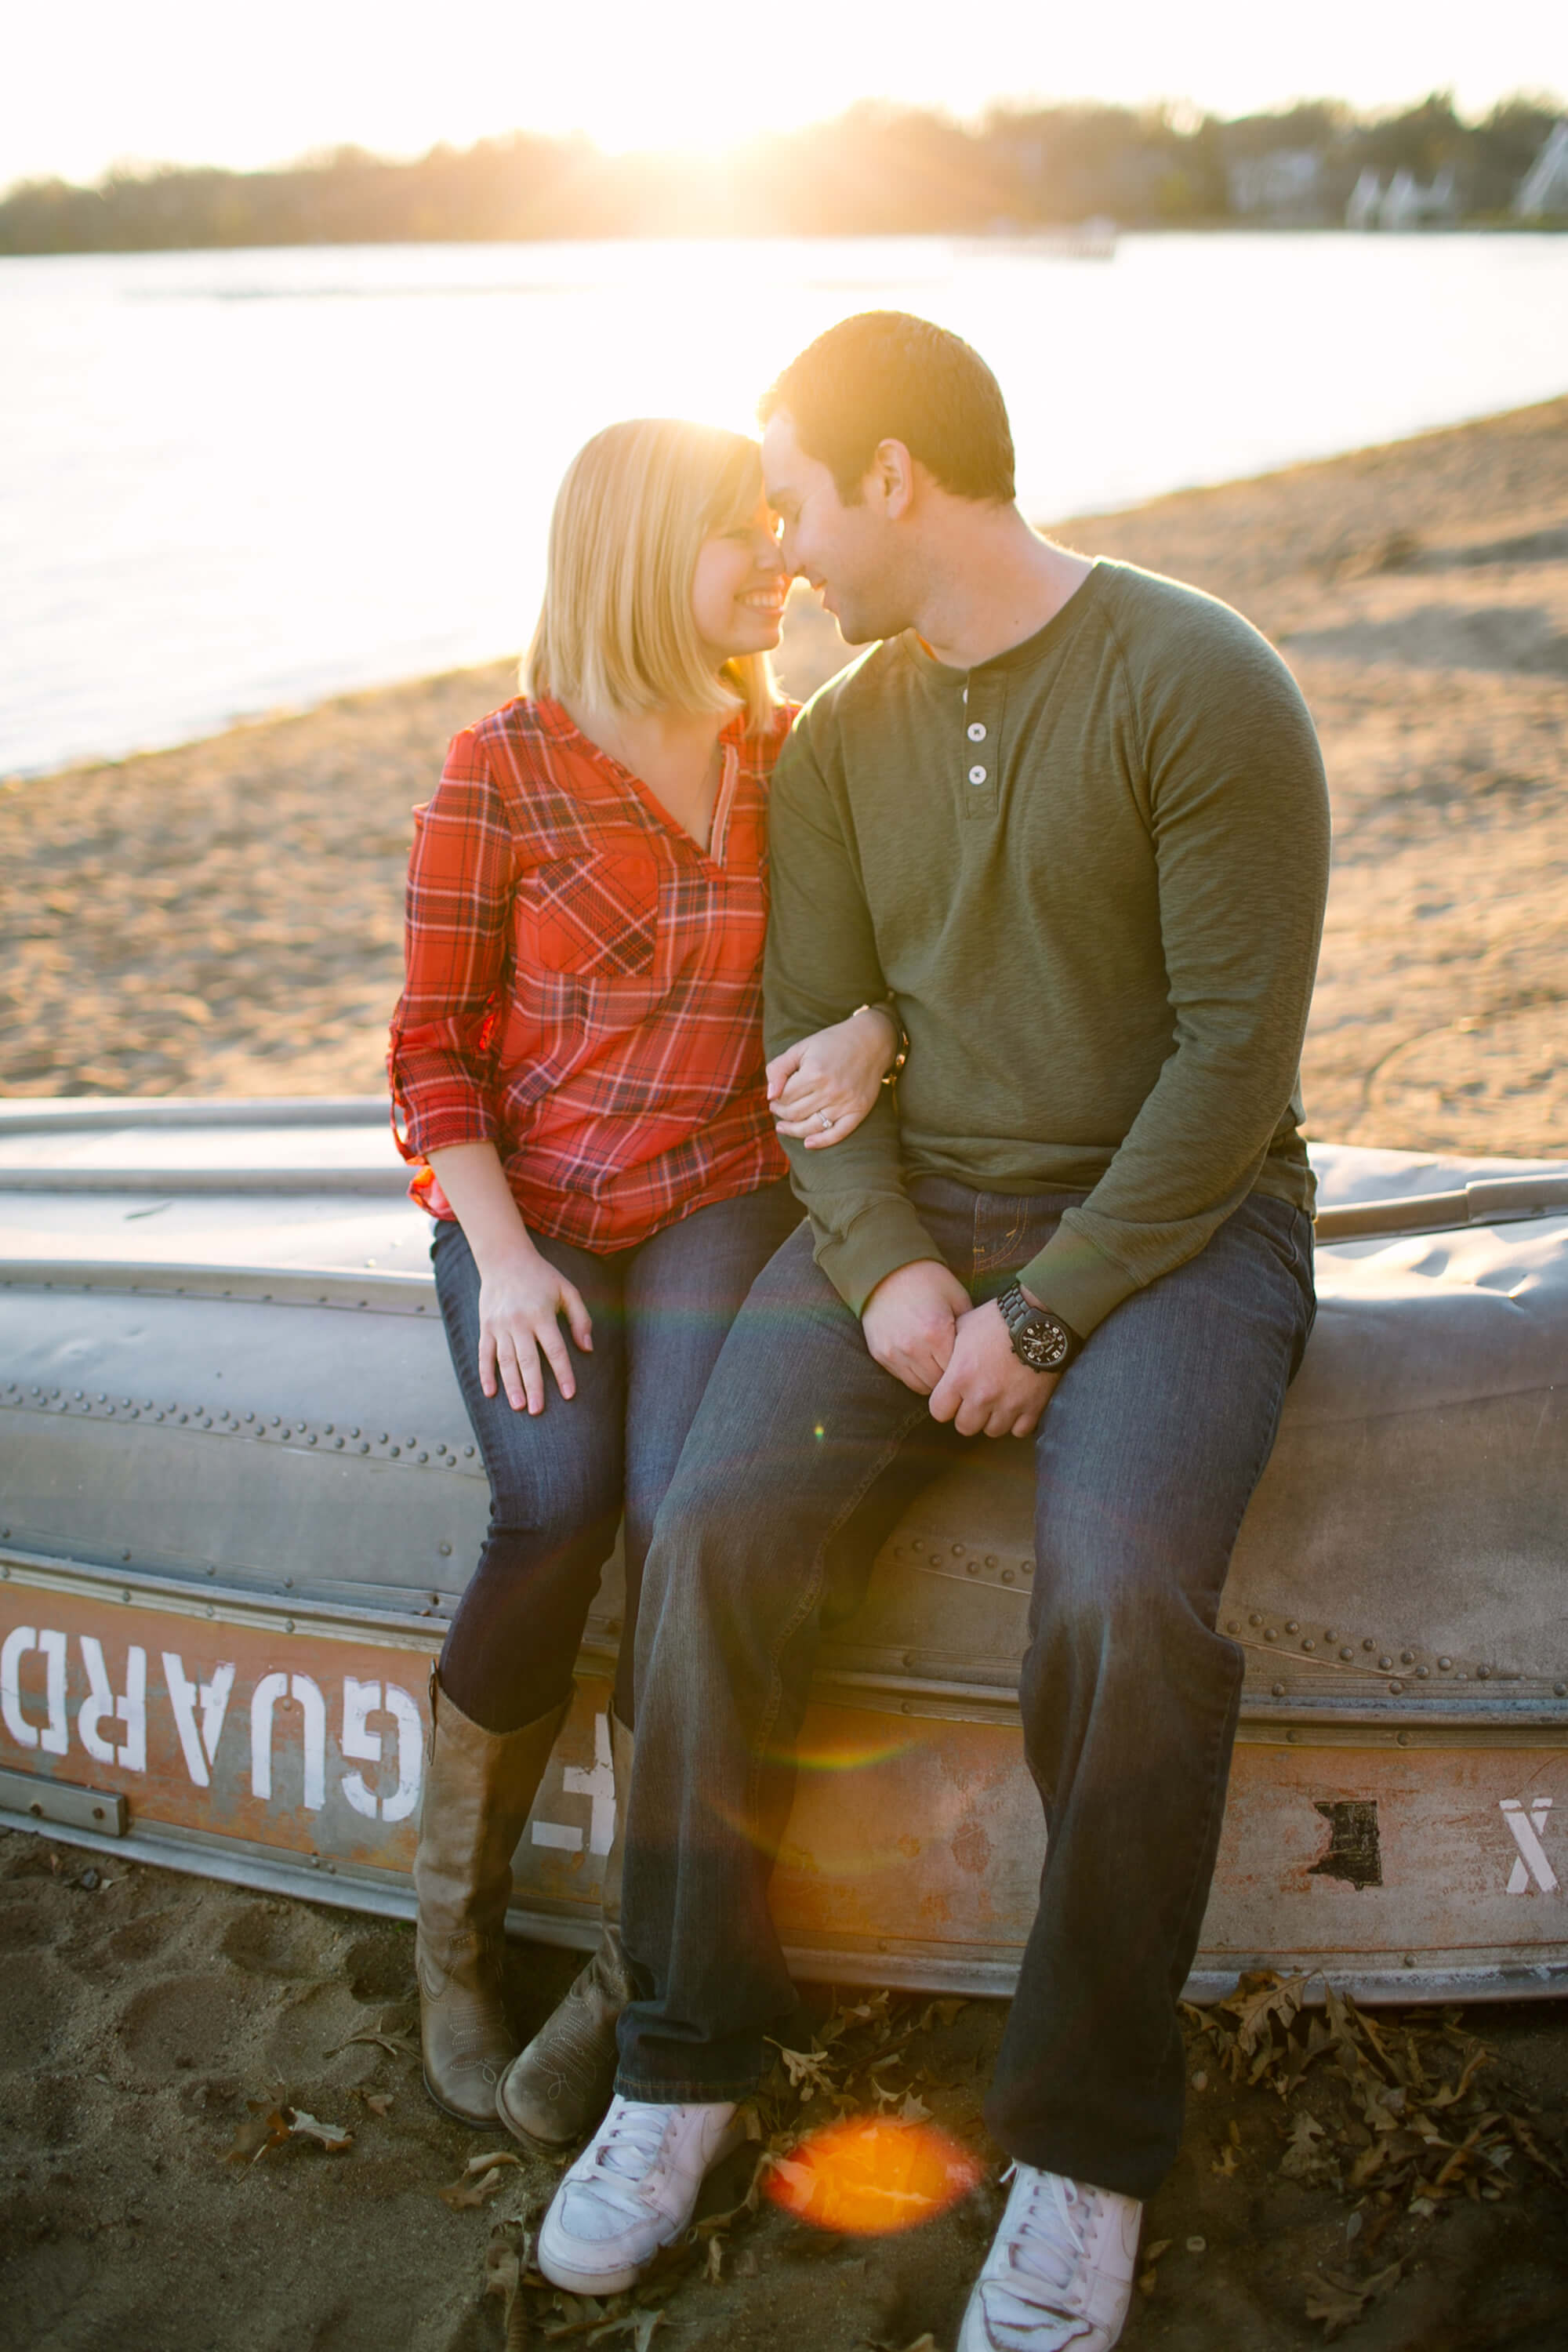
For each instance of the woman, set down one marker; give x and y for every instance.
(577, 1059)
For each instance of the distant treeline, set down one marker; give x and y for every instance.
(875, 170)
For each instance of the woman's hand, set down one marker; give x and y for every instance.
(820, 1089)
(520, 1294)
(521, 1302)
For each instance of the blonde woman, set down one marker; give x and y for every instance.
(576, 1063)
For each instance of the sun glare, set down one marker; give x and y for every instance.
(871, 2177)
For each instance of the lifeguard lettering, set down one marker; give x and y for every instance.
(361, 1701)
(54, 1738)
(200, 1752)
(60, 1691)
(101, 1705)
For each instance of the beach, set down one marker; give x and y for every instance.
(224, 917)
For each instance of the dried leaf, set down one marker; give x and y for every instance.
(463, 2195)
(1160, 2246)
(808, 2067)
(1381, 2108)
(265, 2128)
(714, 2271)
(378, 2102)
(396, 2045)
(270, 2127)
(1334, 2307)
(1226, 2164)
(506, 2261)
(1338, 2302)
(914, 2109)
(1305, 2158)
(1259, 1997)
(1390, 2063)
(331, 2137)
(1533, 2149)
(503, 2268)
(1341, 2030)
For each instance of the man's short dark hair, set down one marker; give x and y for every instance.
(884, 375)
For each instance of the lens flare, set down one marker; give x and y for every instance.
(870, 2176)
(842, 1754)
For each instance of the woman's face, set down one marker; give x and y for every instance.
(738, 589)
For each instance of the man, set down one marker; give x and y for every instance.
(1071, 819)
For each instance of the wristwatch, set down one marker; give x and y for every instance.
(1040, 1340)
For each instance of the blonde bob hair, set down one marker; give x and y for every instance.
(616, 629)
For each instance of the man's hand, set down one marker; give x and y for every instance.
(910, 1320)
(984, 1388)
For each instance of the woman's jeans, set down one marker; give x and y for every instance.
(804, 1453)
(561, 1480)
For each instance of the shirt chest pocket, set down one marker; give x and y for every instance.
(592, 917)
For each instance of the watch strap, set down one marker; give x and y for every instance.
(1018, 1313)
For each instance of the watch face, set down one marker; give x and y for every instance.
(1043, 1342)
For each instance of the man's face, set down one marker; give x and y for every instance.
(847, 553)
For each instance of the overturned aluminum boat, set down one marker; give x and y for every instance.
(239, 1495)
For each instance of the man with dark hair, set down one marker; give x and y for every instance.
(884, 376)
(1071, 819)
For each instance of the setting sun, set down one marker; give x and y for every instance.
(160, 83)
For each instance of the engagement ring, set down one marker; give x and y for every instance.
(825, 1120)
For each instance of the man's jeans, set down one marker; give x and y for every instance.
(802, 1454)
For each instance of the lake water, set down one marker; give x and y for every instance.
(236, 481)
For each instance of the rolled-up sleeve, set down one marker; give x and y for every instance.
(456, 936)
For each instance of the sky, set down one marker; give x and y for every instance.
(188, 81)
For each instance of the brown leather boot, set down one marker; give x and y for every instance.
(479, 1787)
(561, 2086)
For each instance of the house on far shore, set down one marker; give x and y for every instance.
(1404, 204)
(1543, 192)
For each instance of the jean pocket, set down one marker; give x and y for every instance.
(1288, 1234)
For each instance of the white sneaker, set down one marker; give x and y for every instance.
(631, 2190)
(1059, 2271)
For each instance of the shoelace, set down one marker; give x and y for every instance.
(628, 2146)
(1046, 2243)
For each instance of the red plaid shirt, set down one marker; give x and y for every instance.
(583, 984)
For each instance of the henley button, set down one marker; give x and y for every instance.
(978, 775)
(976, 731)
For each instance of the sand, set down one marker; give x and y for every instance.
(224, 917)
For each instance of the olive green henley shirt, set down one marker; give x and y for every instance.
(1091, 873)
